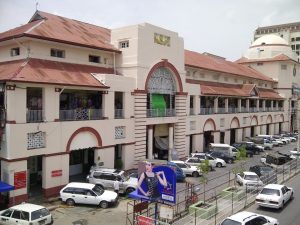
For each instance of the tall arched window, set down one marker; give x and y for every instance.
(161, 90)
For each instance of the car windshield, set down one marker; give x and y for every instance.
(266, 169)
(98, 190)
(269, 191)
(230, 222)
(39, 214)
(251, 177)
(187, 165)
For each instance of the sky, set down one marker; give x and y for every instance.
(221, 27)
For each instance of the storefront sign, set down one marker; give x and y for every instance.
(143, 220)
(20, 180)
(56, 173)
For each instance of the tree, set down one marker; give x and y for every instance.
(204, 167)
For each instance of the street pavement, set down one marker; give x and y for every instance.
(93, 215)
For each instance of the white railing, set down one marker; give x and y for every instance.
(80, 114)
(119, 113)
(34, 116)
(206, 111)
(221, 110)
(160, 112)
(233, 110)
(244, 109)
(252, 109)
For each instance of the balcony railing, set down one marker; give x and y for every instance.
(252, 109)
(34, 116)
(160, 112)
(119, 113)
(244, 110)
(233, 110)
(206, 111)
(221, 110)
(80, 114)
(280, 108)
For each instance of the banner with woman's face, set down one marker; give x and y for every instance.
(156, 182)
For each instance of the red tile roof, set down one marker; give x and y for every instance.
(195, 59)
(51, 27)
(281, 57)
(234, 90)
(51, 72)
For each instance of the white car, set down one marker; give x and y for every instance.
(188, 169)
(85, 193)
(295, 154)
(26, 214)
(203, 156)
(249, 180)
(245, 218)
(274, 196)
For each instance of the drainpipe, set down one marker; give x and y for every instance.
(114, 63)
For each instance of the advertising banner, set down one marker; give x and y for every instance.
(20, 180)
(157, 182)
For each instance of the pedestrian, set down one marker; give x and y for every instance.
(116, 186)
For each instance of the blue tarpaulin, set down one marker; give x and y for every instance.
(4, 187)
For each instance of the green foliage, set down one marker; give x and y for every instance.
(204, 167)
(242, 153)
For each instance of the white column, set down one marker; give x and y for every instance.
(226, 105)
(264, 105)
(150, 142)
(239, 105)
(216, 105)
(247, 105)
(171, 141)
(108, 105)
(257, 105)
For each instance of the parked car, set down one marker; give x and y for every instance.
(188, 169)
(249, 180)
(265, 173)
(85, 193)
(248, 146)
(220, 155)
(224, 148)
(274, 196)
(105, 177)
(180, 175)
(249, 153)
(275, 159)
(195, 161)
(26, 214)
(260, 141)
(247, 218)
(204, 156)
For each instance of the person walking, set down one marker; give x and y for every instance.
(116, 186)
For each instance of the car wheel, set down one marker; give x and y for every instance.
(70, 202)
(210, 168)
(104, 204)
(292, 196)
(229, 161)
(129, 190)
(219, 165)
(195, 174)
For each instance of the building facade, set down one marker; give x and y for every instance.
(289, 32)
(74, 94)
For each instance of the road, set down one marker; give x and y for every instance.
(289, 215)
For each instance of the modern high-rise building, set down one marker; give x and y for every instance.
(289, 32)
(73, 94)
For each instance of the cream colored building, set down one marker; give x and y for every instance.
(289, 32)
(74, 94)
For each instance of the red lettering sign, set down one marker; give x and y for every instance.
(56, 173)
(20, 180)
(143, 220)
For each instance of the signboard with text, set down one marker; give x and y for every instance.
(20, 180)
(56, 173)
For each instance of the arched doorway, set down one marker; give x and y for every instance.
(268, 125)
(235, 124)
(81, 146)
(253, 124)
(208, 137)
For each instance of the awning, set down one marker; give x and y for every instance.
(4, 187)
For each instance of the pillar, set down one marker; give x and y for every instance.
(226, 105)
(171, 141)
(10, 171)
(216, 137)
(108, 105)
(216, 105)
(239, 134)
(201, 142)
(197, 142)
(197, 102)
(150, 142)
(264, 105)
(128, 156)
(106, 155)
(227, 137)
(247, 105)
(55, 174)
(239, 105)
(257, 105)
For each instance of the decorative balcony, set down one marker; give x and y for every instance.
(119, 113)
(206, 111)
(34, 116)
(160, 112)
(80, 114)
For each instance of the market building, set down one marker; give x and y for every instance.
(74, 94)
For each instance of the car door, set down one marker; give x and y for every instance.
(184, 168)
(287, 194)
(78, 195)
(90, 197)
(18, 217)
(5, 217)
